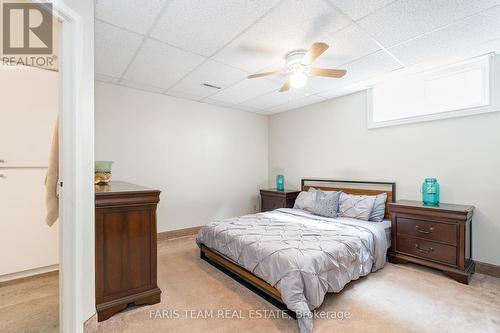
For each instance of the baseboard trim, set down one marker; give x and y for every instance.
(487, 269)
(178, 233)
(90, 325)
(27, 275)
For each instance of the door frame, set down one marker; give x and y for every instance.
(76, 158)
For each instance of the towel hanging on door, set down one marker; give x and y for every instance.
(52, 179)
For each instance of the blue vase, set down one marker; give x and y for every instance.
(280, 183)
(430, 192)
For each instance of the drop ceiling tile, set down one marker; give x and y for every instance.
(346, 90)
(317, 84)
(219, 103)
(406, 19)
(273, 99)
(193, 89)
(210, 72)
(160, 65)
(134, 15)
(105, 78)
(297, 103)
(245, 90)
(246, 108)
(204, 27)
(183, 95)
(293, 24)
(141, 86)
(346, 45)
(357, 9)
(466, 37)
(369, 67)
(374, 64)
(227, 105)
(114, 49)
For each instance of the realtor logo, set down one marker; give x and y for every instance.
(27, 28)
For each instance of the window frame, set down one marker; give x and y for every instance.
(491, 98)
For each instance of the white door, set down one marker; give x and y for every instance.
(28, 112)
(26, 242)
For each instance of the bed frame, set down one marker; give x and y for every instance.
(261, 287)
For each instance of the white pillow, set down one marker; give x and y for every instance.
(378, 211)
(305, 201)
(356, 206)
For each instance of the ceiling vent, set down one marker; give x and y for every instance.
(211, 86)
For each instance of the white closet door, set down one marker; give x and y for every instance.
(28, 112)
(26, 242)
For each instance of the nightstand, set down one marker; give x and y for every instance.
(272, 199)
(435, 236)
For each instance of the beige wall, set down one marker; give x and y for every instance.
(331, 140)
(208, 161)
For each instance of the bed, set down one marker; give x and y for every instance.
(293, 258)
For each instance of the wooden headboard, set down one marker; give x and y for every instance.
(354, 187)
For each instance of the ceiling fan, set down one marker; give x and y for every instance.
(298, 65)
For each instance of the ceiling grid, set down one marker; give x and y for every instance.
(174, 46)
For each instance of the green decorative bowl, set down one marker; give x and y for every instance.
(103, 166)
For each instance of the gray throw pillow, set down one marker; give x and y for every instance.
(378, 211)
(356, 206)
(326, 203)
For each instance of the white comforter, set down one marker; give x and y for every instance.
(302, 255)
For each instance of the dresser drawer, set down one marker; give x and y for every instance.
(433, 236)
(427, 249)
(441, 232)
(270, 203)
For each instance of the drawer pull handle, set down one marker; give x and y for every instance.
(431, 249)
(430, 231)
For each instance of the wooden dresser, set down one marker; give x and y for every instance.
(125, 247)
(437, 237)
(272, 199)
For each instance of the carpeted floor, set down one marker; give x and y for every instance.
(199, 298)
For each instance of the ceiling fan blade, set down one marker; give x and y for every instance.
(327, 72)
(285, 86)
(314, 52)
(253, 76)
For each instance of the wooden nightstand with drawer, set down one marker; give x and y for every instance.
(434, 236)
(272, 199)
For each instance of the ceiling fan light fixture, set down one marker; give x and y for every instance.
(298, 67)
(298, 79)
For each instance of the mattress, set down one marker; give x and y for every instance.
(386, 224)
(302, 255)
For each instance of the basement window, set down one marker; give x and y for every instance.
(454, 91)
